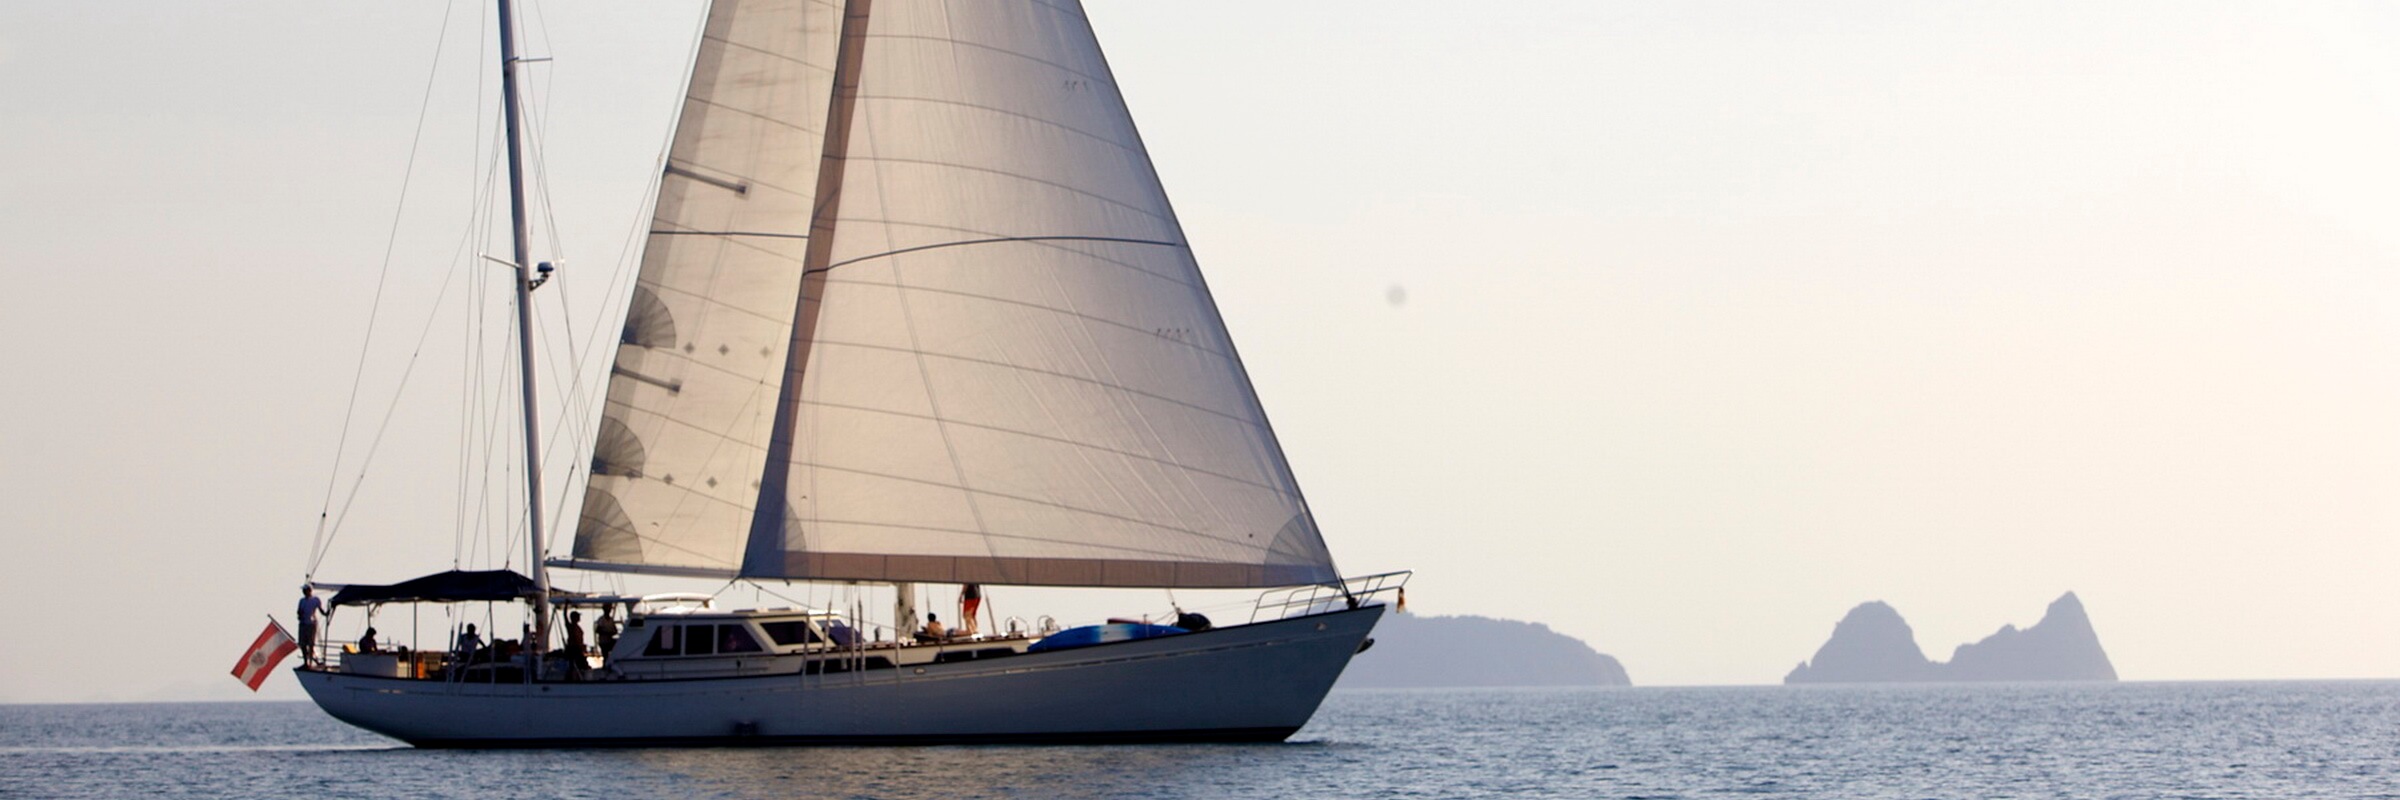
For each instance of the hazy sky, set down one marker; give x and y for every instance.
(1681, 328)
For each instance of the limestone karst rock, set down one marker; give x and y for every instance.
(1872, 644)
(1417, 651)
(2061, 647)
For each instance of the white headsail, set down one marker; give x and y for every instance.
(1006, 367)
(691, 399)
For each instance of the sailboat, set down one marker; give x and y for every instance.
(913, 309)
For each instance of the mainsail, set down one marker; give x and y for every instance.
(1002, 365)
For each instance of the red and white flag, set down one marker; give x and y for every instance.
(270, 649)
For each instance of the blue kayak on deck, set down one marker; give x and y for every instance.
(1089, 635)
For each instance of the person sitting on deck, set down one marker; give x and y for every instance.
(468, 642)
(933, 631)
(366, 642)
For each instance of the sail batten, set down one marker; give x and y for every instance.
(993, 358)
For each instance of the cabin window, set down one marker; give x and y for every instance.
(790, 632)
(736, 639)
(662, 643)
(701, 640)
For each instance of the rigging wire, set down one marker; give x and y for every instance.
(471, 396)
(391, 242)
(487, 133)
(350, 500)
(761, 586)
(575, 415)
(468, 533)
(467, 404)
(540, 28)
(508, 475)
(475, 400)
(489, 408)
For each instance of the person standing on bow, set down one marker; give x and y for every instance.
(310, 609)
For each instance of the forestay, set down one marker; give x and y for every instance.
(1004, 367)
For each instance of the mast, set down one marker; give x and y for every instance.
(518, 239)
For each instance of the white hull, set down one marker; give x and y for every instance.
(1255, 682)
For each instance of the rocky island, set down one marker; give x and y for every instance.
(1872, 644)
(1412, 651)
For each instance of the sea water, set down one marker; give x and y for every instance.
(2132, 740)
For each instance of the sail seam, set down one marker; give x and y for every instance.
(1038, 120)
(731, 44)
(1061, 440)
(1064, 312)
(744, 443)
(745, 244)
(1178, 557)
(719, 302)
(903, 37)
(759, 234)
(756, 116)
(995, 240)
(1146, 212)
(1039, 371)
(1020, 498)
(1000, 237)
